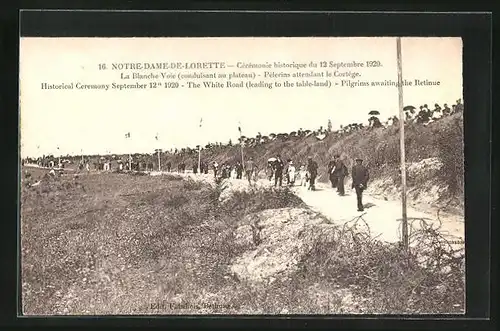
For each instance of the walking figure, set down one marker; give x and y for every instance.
(303, 175)
(360, 177)
(312, 169)
(215, 167)
(340, 172)
(291, 173)
(239, 170)
(332, 177)
(249, 169)
(278, 171)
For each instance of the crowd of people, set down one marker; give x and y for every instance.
(282, 173)
(423, 115)
(277, 169)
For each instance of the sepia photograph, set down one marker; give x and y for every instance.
(241, 176)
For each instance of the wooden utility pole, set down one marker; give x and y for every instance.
(241, 145)
(158, 150)
(199, 150)
(127, 136)
(159, 159)
(402, 145)
(199, 159)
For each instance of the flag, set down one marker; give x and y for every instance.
(127, 135)
(239, 126)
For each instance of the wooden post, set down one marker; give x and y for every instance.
(199, 149)
(241, 145)
(402, 145)
(127, 136)
(159, 159)
(199, 159)
(242, 158)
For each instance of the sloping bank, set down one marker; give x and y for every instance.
(285, 258)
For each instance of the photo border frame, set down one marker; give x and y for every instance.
(476, 32)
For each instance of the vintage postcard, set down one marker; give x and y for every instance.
(175, 176)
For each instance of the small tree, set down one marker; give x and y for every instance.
(329, 128)
(230, 143)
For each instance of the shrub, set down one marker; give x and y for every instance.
(428, 279)
(450, 152)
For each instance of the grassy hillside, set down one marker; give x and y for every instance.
(164, 245)
(435, 151)
(380, 148)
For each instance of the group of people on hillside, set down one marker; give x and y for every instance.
(425, 114)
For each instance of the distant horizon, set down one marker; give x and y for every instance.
(96, 121)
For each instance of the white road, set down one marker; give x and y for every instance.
(382, 217)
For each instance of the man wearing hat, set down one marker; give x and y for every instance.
(360, 177)
(312, 169)
(339, 171)
(278, 171)
(332, 177)
(291, 173)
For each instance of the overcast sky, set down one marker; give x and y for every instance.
(96, 121)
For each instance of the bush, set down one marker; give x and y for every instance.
(450, 152)
(261, 199)
(428, 279)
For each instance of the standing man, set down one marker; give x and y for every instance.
(332, 177)
(312, 169)
(360, 177)
(270, 169)
(286, 171)
(291, 173)
(249, 169)
(278, 171)
(340, 172)
(215, 167)
(239, 170)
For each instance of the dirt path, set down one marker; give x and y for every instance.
(383, 217)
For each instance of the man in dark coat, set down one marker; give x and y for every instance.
(215, 167)
(340, 172)
(285, 170)
(332, 177)
(360, 177)
(250, 169)
(278, 171)
(239, 170)
(312, 169)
